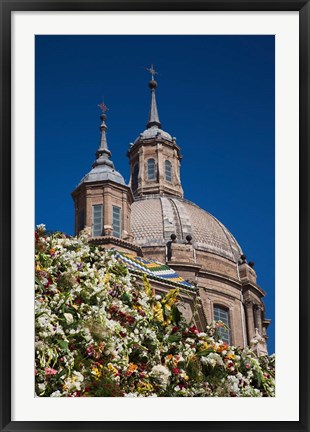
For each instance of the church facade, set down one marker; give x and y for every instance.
(156, 231)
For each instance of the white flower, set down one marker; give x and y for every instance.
(41, 387)
(41, 228)
(131, 395)
(69, 318)
(217, 358)
(234, 382)
(78, 376)
(161, 373)
(56, 394)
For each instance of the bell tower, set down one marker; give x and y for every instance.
(155, 156)
(103, 201)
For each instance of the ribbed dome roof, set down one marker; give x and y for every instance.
(154, 132)
(154, 219)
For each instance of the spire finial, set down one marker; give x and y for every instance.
(103, 107)
(153, 114)
(103, 153)
(152, 71)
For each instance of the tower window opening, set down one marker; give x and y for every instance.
(97, 220)
(116, 217)
(221, 314)
(151, 169)
(135, 174)
(168, 171)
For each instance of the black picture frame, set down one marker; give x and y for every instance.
(6, 8)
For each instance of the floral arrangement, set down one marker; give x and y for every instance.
(102, 332)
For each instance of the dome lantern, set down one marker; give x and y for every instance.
(155, 156)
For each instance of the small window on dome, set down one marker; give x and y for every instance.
(135, 174)
(221, 314)
(151, 169)
(168, 171)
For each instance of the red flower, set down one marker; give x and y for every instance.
(194, 330)
(176, 371)
(130, 319)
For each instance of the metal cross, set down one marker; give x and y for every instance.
(103, 107)
(152, 71)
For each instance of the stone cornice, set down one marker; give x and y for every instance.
(118, 186)
(220, 277)
(251, 286)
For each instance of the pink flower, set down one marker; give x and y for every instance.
(50, 371)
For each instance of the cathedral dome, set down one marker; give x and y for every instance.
(155, 218)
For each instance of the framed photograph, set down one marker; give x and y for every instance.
(181, 133)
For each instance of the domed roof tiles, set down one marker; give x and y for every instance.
(154, 219)
(154, 132)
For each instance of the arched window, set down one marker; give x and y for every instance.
(151, 169)
(168, 170)
(135, 173)
(221, 314)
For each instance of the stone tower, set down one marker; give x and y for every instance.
(155, 156)
(103, 201)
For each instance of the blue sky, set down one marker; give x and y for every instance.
(215, 95)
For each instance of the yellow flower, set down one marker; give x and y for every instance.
(158, 312)
(168, 320)
(171, 297)
(95, 371)
(147, 287)
(204, 346)
(144, 387)
(230, 356)
(107, 278)
(112, 369)
(38, 267)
